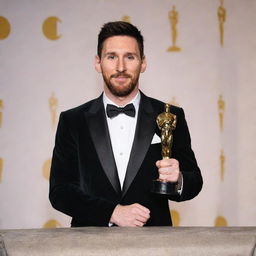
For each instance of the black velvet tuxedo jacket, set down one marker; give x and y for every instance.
(84, 181)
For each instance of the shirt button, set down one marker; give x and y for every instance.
(121, 153)
(121, 127)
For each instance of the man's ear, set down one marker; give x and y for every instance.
(97, 64)
(143, 65)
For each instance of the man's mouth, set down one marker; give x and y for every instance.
(120, 78)
(122, 75)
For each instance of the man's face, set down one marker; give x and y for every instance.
(120, 65)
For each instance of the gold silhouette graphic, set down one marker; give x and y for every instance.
(220, 221)
(175, 218)
(173, 19)
(5, 28)
(174, 102)
(222, 165)
(126, 18)
(1, 168)
(52, 224)
(46, 168)
(221, 107)
(53, 105)
(1, 113)
(222, 19)
(50, 28)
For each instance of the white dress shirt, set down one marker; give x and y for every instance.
(122, 130)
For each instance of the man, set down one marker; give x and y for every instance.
(104, 160)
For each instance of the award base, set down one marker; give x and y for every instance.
(164, 188)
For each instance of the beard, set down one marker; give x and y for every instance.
(121, 90)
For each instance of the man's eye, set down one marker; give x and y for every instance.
(111, 57)
(130, 57)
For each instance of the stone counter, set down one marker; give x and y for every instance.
(116, 241)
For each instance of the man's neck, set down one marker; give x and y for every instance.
(121, 101)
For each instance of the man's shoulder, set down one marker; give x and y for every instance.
(80, 110)
(159, 105)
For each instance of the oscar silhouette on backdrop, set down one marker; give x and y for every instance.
(222, 19)
(173, 18)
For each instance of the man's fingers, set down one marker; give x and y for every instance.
(168, 169)
(142, 209)
(141, 215)
(172, 177)
(167, 163)
(138, 223)
(142, 218)
(130, 215)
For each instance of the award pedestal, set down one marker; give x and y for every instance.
(164, 188)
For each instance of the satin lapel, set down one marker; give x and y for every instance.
(145, 129)
(98, 127)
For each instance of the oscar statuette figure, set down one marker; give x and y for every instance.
(166, 122)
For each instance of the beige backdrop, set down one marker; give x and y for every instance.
(47, 50)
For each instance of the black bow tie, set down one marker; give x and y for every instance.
(113, 110)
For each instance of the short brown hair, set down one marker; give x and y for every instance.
(119, 28)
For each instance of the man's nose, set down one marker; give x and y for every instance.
(121, 65)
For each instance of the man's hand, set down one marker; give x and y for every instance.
(169, 170)
(134, 215)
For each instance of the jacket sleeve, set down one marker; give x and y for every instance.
(182, 151)
(66, 192)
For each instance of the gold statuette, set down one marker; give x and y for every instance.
(173, 19)
(222, 18)
(166, 122)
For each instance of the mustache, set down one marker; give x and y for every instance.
(122, 74)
